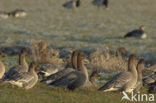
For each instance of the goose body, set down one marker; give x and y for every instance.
(72, 4)
(100, 3)
(123, 81)
(4, 15)
(73, 79)
(137, 33)
(150, 79)
(25, 80)
(61, 73)
(18, 13)
(22, 67)
(48, 69)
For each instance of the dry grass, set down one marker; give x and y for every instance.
(105, 60)
(41, 54)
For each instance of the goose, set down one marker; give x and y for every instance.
(121, 51)
(150, 79)
(48, 69)
(149, 71)
(26, 80)
(4, 15)
(140, 67)
(61, 73)
(123, 81)
(74, 79)
(2, 67)
(72, 4)
(22, 67)
(101, 3)
(18, 13)
(137, 33)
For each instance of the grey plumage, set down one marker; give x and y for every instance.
(73, 79)
(22, 67)
(124, 81)
(61, 73)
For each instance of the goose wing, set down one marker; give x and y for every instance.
(117, 82)
(66, 80)
(57, 75)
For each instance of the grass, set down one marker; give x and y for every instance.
(86, 27)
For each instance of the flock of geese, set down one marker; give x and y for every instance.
(76, 75)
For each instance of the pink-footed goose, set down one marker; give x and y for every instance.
(61, 73)
(74, 79)
(22, 67)
(137, 33)
(140, 67)
(124, 81)
(72, 4)
(26, 80)
(2, 67)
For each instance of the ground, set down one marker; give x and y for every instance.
(85, 27)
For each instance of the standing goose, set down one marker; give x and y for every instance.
(26, 80)
(2, 67)
(140, 67)
(72, 4)
(61, 73)
(124, 81)
(74, 79)
(137, 33)
(22, 67)
(100, 3)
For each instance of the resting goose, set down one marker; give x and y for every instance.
(18, 13)
(48, 69)
(100, 3)
(74, 79)
(22, 67)
(61, 73)
(140, 67)
(137, 33)
(4, 15)
(124, 81)
(150, 79)
(26, 80)
(2, 67)
(72, 4)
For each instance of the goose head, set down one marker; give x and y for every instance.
(2, 55)
(121, 51)
(80, 58)
(42, 45)
(24, 51)
(140, 65)
(132, 62)
(142, 28)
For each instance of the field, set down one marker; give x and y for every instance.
(86, 27)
